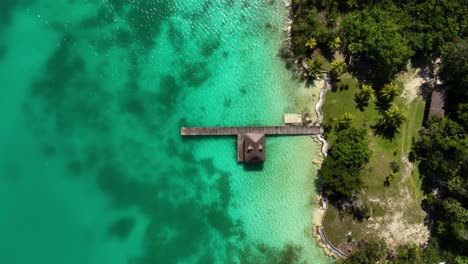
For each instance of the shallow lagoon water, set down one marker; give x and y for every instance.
(92, 167)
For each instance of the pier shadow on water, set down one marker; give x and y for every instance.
(253, 166)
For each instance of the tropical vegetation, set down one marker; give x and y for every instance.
(340, 174)
(368, 43)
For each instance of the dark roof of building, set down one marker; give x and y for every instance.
(254, 148)
(437, 105)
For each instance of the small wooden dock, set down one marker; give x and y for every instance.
(240, 132)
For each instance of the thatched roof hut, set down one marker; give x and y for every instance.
(254, 148)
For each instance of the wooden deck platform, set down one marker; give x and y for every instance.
(241, 131)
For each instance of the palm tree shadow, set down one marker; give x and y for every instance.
(382, 106)
(360, 104)
(309, 82)
(385, 132)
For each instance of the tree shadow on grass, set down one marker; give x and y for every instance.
(361, 104)
(382, 106)
(385, 132)
(309, 82)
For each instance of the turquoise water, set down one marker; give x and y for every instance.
(92, 167)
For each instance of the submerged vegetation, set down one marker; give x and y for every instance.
(373, 130)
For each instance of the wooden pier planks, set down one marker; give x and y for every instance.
(240, 147)
(267, 130)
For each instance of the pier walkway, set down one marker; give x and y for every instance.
(266, 130)
(240, 132)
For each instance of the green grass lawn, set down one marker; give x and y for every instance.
(383, 152)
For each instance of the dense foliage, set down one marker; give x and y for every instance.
(442, 151)
(369, 253)
(377, 38)
(454, 72)
(381, 34)
(340, 172)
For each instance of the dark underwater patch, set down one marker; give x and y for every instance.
(61, 68)
(3, 50)
(176, 37)
(75, 167)
(124, 190)
(262, 254)
(122, 37)
(68, 95)
(6, 8)
(192, 234)
(218, 218)
(11, 173)
(230, 3)
(209, 47)
(169, 92)
(48, 150)
(209, 166)
(146, 25)
(245, 4)
(223, 185)
(195, 74)
(243, 91)
(227, 102)
(103, 17)
(122, 228)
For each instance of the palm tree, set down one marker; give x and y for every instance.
(345, 120)
(364, 94)
(311, 43)
(393, 118)
(338, 67)
(389, 92)
(315, 66)
(335, 43)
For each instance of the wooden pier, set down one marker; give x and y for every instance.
(240, 132)
(266, 130)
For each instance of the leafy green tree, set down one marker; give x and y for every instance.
(394, 166)
(351, 147)
(443, 153)
(462, 115)
(339, 182)
(376, 36)
(436, 23)
(311, 43)
(340, 174)
(335, 43)
(371, 252)
(388, 93)
(390, 178)
(431, 252)
(461, 260)
(409, 254)
(338, 67)
(454, 72)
